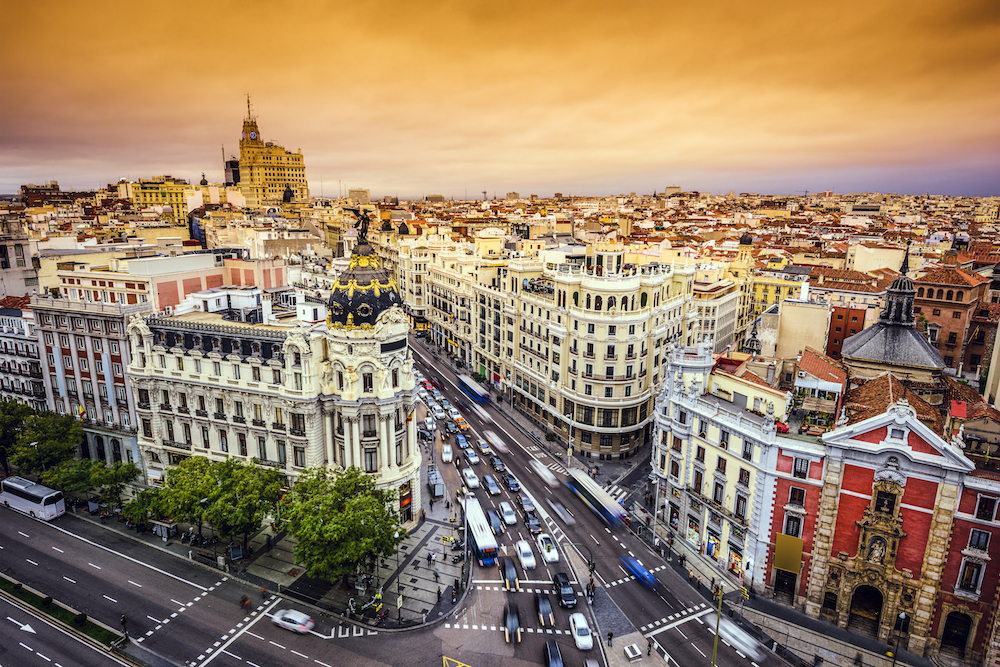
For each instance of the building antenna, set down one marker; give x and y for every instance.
(249, 116)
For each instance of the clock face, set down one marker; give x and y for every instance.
(253, 135)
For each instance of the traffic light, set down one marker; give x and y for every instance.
(591, 566)
(124, 620)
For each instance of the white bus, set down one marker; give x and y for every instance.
(34, 499)
(481, 538)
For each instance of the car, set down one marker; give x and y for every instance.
(446, 404)
(497, 464)
(544, 607)
(533, 524)
(439, 414)
(436, 381)
(553, 656)
(512, 484)
(438, 396)
(430, 424)
(509, 517)
(511, 624)
(495, 440)
(454, 413)
(544, 473)
(428, 386)
(471, 456)
(560, 511)
(509, 574)
(525, 555)
(637, 570)
(496, 523)
(491, 485)
(461, 423)
(461, 441)
(296, 621)
(484, 447)
(424, 434)
(450, 427)
(548, 549)
(446, 454)
(580, 629)
(422, 393)
(471, 481)
(525, 502)
(737, 637)
(564, 590)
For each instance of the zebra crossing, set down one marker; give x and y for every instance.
(617, 492)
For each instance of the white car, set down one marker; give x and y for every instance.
(422, 393)
(439, 414)
(446, 453)
(454, 413)
(484, 447)
(295, 621)
(430, 424)
(737, 637)
(580, 630)
(470, 478)
(544, 473)
(548, 549)
(525, 555)
(497, 443)
(507, 512)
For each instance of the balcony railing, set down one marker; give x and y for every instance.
(221, 416)
(165, 407)
(201, 413)
(297, 431)
(142, 406)
(270, 464)
(183, 409)
(240, 419)
(718, 507)
(258, 422)
(278, 426)
(178, 445)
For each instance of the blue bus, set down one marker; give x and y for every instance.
(480, 535)
(596, 498)
(473, 389)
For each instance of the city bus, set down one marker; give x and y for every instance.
(479, 534)
(473, 389)
(596, 498)
(34, 499)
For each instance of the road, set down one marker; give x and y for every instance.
(671, 614)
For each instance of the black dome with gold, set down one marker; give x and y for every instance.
(362, 292)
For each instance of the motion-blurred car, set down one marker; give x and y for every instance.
(446, 453)
(553, 656)
(637, 570)
(737, 637)
(509, 516)
(461, 441)
(525, 555)
(511, 624)
(491, 485)
(496, 523)
(496, 442)
(580, 630)
(544, 473)
(567, 596)
(544, 607)
(550, 554)
(296, 621)
(470, 478)
(509, 574)
(561, 512)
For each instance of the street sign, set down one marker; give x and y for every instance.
(399, 602)
(744, 592)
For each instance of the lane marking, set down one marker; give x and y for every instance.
(699, 650)
(134, 584)
(154, 620)
(31, 561)
(58, 549)
(245, 630)
(68, 579)
(24, 535)
(96, 567)
(112, 599)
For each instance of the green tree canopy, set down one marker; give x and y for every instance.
(187, 484)
(73, 476)
(46, 440)
(12, 416)
(247, 494)
(146, 505)
(340, 520)
(115, 478)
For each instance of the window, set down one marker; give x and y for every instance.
(224, 441)
(724, 439)
(972, 572)
(81, 343)
(238, 405)
(276, 376)
(612, 329)
(197, 365)
(986, 508)
(255, 373)
(205, 441)
(114, 346)
(97, 344)
(340, 380)
(677, 444)
(147, 428)
(241, 439)
(368, 384)
(63, 340)
(700, 454)
(952, 337)
(936, 311)
(744, 477)
(279, 416)
(371, 460)
(187, 433)
(236, 371)
(797, 497)
(609, 392)
(675, 469)
(955, 315)
(590, 328)
(299, 454)
(282, 454)
(721, 464)
(395, 377)
(747, 451)
(699, 481)
(84, 364)
(298, 381)
(979, 539)
(801, 469)
(220, 406)
(261, 448)
(741, 508)
(719, 492)
(793, 525)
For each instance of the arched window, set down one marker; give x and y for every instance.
(959, 295)
(920, 292)
(940, 294)
(633, 302)
(624, 303)
(643, 300)
(950, 296)
(611, 303)
(598, 302)
(576, 299)
(588, 302)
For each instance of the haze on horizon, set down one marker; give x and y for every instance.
(455, 98)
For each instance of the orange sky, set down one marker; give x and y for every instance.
(412, 98)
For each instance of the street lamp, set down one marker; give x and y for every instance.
(895, 650)
(718, 621)
(399, 607)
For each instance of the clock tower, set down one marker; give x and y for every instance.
(266, 169)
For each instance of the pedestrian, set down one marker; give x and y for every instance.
(423, 514)
(430, 558)
(432, 503)
(858, 660)
(243, 600)
(439, 593)
(682, 558)
(246, 604)
(610, 636)
(263, 593)
(690, 576)
(649, 646)
(437, 575)
(699, 582)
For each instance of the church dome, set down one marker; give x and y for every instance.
(746, 239)
(404, 230)
(362, 292)
(901, 284)
(387, 226)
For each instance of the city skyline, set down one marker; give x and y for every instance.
(457, 98)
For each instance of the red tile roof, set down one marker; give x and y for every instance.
(875, 396)
(15, 302)
(822, 367)
(947, 275)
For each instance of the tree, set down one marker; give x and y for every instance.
(115, 478)
(187, 485)
(340, 520)
(12, 416)
(46, 440)
(146, 504)
(74, 476)
(247, 494)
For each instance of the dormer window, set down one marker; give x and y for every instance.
(897, 434)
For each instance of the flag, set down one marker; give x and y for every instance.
(80, 408)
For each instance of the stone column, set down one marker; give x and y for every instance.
(328, 428)
(826, 526)
(411, 437)
(935, 555)
(356, 459)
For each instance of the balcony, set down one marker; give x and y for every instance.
(122, 403)
(270, 464)
(258, 422)
(71, 392)
(35, 374)
(611, 357)
(165, 407)
(301, 432)
(221, 416)
(183, 409)
(201, 413)
(177, 445)
(142, 406)
(277, 426)
(718, 507)
(368, 434)
(32, 355)
(239, 419)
